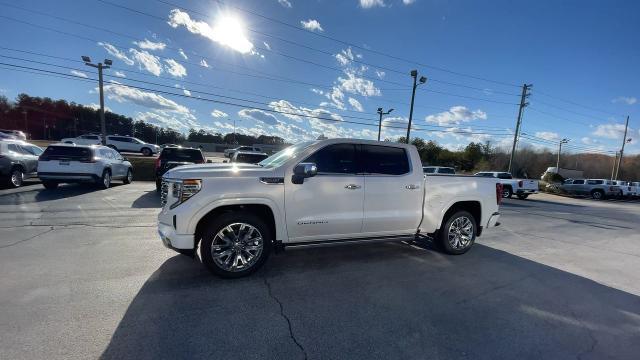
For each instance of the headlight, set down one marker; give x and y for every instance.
(182, 190)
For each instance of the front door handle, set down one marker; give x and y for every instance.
(352, 187)
(412, 187)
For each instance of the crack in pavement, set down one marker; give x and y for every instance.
(27, 239)
(291, 334)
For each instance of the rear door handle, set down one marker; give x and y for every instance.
(352, 187)
(412, 187)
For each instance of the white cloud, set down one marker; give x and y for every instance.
(79, 73)
(175, 69)
(113, 51)
(285, 3)
(356, 104)
(96, 107)
(225, 30)
(166, 119)
(119, 74)
(589, 141)
(408, 2)
(149, 62)
(184, 56)
(367, 4)
(311, 24)
(610, 131)
(150, 45)
(122, 93)
(456, 115)
(266, 44)
(337, 98)
(218, 114)
(317, 91)
(629, 100)
(258, 115)
(345, 57)
(298, 114)
(380, 74)
(204, 63)
(548, 135)
(357, 85)
(186, 92)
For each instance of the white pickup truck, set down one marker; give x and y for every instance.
(521, 187)
(317, 192)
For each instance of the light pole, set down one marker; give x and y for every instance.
(100, 66)
(381, 112)
(234, 132)
(26, 124)
(563, 141)
(414, 75)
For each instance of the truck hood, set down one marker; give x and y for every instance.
(203, 171)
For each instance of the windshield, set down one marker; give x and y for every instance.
(283, 155)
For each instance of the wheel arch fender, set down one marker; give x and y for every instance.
(266, 207)
(473, 206)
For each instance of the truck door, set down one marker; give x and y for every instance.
(328, 205)
(393, 191)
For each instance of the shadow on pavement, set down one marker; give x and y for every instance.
(37, 193)
(378, 301)
(150, 199)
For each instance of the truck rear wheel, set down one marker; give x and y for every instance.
(458, 233)
(235, 244)
(597, 194)
(507, 192)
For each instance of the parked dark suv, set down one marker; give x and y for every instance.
(171, 157)
(18, 161)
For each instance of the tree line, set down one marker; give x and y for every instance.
(47, 119)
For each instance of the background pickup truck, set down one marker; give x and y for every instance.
(596, 188)
(521, 187)
(338, 190)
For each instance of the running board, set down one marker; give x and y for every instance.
(280, 245)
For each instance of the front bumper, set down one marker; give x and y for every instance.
(172, 240)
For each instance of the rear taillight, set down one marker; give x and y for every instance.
(157, 163)
(520, 183)
(498, 193)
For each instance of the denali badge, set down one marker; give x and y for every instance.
(312, 222)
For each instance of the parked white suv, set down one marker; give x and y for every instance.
(116, 142)
(229, 152)
(67, 163)
(521, 187)
(338, 190)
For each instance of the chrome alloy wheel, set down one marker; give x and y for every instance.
(460, 233)
(17, 176)
(237, 247)
(106, 180)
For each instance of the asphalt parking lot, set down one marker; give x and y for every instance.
(84, 275)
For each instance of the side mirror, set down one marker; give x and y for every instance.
(302, 171)
(209, 161)
(224, 161)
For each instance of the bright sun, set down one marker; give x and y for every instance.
(230, 31)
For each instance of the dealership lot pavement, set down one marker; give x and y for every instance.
(83, 275)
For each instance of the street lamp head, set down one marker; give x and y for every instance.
(629, 140)
(108, 62)
(414, 73)
(423, 80)
(379, 110)
(390, 110)
(86, 59)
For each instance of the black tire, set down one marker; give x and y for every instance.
(187, 252)
(449, 246)
(219, 224)
(158, 185)
(16, 177)
(597, 194)
(523, 196)
(146, 151)
(128, 179)
(105, 180)
(50, 185)
(507, 192)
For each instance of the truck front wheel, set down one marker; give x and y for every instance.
(235, 244)
(507, 192)
(458, 233)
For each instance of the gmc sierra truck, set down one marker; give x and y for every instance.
(318, 192)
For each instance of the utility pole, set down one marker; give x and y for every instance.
(107, 64)
(563, 141)
(613, 167)
(523, 104)
(414, 75)
(624, 141)
(26, 124)
(381, 112)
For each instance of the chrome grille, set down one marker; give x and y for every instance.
(164, 189)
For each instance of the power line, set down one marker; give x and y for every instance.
(306, 61)
(463, 132)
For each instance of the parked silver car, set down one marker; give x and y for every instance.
(596, 188)
(18, 161)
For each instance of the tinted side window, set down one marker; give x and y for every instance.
(385, 160)
(578, 182)
(429, 170)
(446, 171)
(505, 176)
(335, 159)
(15, 148)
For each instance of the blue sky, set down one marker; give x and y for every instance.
(581, 57)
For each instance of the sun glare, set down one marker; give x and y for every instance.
(230, 31)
